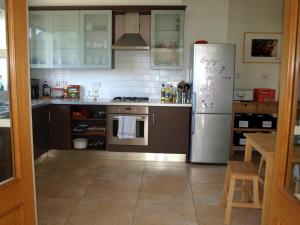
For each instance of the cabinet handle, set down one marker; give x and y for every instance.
(153, 118)
(49, 116)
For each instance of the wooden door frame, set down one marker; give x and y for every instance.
(289, 68)
(18, 194)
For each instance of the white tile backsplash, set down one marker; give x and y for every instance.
(131, 76)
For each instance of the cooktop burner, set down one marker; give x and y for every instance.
(130, 99)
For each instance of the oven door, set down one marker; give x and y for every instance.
(141, 130)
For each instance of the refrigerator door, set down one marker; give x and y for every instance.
(211, 135)
(213, 78)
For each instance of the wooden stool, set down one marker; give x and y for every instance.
(245, 172)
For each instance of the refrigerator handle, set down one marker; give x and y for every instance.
(193, 124)
(194, 102)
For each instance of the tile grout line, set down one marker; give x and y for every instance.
(83, 196)
(134, 211)
(194, 204)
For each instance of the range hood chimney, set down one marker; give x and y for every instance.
(131, 39)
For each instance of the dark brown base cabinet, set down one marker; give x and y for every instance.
(169, 129)
(40, 130)
(60, 136)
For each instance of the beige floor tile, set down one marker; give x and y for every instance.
(207, 174)
(215, 215)
(166, 192)
(167, 164)
(165, 174)
(209, 194)
(54, 211)
(62, 187)
(246, 216)
(210, 214)
(113, 190)
(78, 169)
(131, 174)
(164, 214)
(92, 212)
(122, 163)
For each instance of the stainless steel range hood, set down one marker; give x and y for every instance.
(131, 39)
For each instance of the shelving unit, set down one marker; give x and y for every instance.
(251, 108)
(167, 39)
(92, 116)
(70, 39)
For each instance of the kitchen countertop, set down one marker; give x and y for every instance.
(42, 102)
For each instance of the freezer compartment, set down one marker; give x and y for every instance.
(211, 137)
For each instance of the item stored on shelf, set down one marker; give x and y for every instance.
(74, 91)
(239, 138)
(243, 95)
(80, 143)
(80, 128)
(264, 95)
(242, 120)
(264, 121)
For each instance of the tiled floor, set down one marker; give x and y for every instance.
(81, 188)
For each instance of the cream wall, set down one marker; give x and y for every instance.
(205, 20)
(254, 16)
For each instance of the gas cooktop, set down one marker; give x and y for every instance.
(130, 99)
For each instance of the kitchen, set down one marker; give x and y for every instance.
(131, 75)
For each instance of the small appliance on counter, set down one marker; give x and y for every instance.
(35, 91)
(57, 92)
(46, 89)
(243, 95)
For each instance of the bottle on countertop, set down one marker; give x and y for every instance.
(167, 94)
(46, 89)
(163, 93)
(1, 84)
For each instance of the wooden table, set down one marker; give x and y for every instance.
(265, 145)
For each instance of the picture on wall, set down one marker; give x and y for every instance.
(262, 47)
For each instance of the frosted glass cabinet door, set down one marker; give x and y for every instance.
(39, 36)
(96, 29)
(167, 33)
(65, 39)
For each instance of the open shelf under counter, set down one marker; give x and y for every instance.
(88, 119)
(86, 133)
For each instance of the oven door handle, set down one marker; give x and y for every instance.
(137, 117)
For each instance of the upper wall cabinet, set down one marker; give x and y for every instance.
(39, 36)
(70, 39)
(96, 35)
(167, 37)
(65, 33)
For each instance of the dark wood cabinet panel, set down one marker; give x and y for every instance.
(169, 130)
(40, 130)
(60, 137)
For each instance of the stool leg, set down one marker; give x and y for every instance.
(229, 200)
(226, 186)
(256, 193)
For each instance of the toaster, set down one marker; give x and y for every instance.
(243, 95)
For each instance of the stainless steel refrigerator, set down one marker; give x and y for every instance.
(212, 99)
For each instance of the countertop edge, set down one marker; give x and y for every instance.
(40, 103)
